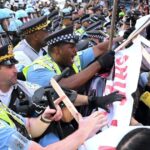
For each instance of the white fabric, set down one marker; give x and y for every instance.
(25, 54)
(27, 87)
(127, 70)
(5, 97)
(146, 53)
(23, 59)
(122, 113)
(110, 137)
(145, 48)
(141, 21)
(102, 3)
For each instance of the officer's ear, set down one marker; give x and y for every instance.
(57, 50)
(35, 35)
(53, 49)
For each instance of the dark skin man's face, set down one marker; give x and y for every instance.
(67, 52)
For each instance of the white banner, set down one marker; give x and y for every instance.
(126, 75)
(108, 139)
(145, 47)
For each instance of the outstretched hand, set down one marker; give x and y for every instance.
(92, 124)
(104, 101)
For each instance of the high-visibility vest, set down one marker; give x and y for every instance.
(47, 62)
(80, 31)
(11, 118)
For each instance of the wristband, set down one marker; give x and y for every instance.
(44, 120)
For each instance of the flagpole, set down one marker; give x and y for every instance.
(147, 3)
(113, 24)
(113, 20)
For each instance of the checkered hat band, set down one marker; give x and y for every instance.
(60, 38)
(95, 36)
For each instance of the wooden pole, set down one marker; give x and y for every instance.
(113, 20)
(66, 100)
(147, 3)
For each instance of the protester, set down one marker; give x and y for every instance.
(136, 139)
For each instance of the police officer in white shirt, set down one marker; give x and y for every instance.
(31, 46)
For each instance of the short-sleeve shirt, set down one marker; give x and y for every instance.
(41, 75)
(25, 54)
(28, 88)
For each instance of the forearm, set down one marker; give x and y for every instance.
(77, 80)
(103, 47)
(72, 142)
(36, 127)
(81, 100)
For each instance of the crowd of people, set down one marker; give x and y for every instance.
(38, 41)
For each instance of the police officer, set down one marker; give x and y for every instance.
(10, 92)
(85, 22)
(31, 12)
(17, 94)
(95, 36)
(14, 135)
(22, 15)
(67, 20)
(77, 24)
(62, 53)
(4, 25)
(30, 48)
(12, 89)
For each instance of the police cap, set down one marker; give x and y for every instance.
(63, 35)
(85, 18)
(94, 34)
(35, 24)
(7, 56)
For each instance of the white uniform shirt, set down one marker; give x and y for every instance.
(5, 97)
(25, 54)
(27, 87)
